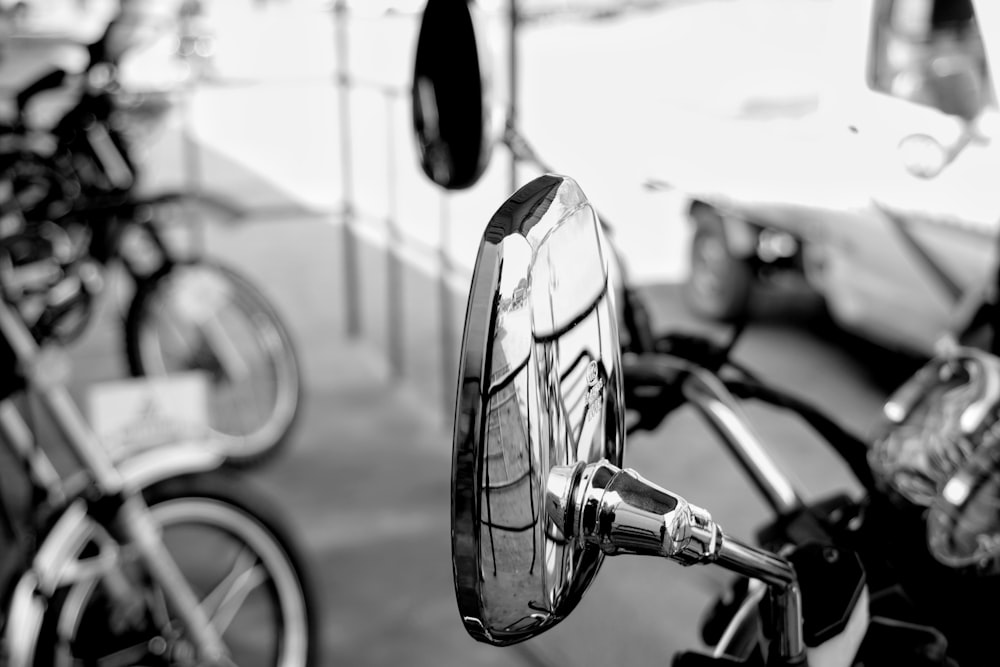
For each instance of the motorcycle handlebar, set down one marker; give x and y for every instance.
(709, 394)
(684, 379)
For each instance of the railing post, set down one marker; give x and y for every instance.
(394, 271)
(512, 92)
(351, 281)
(449, 344)
(191, 159)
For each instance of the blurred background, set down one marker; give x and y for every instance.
(289, 121)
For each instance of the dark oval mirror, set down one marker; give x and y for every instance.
(539, 386)
(451, 96)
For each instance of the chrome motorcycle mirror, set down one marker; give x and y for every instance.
(451, 95)
(538, 494)
(539, 389)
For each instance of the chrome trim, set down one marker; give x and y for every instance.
(622, 513)
(539, 386)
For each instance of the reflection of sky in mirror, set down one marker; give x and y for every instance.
(571, 268)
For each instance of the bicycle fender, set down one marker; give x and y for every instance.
(144, 468)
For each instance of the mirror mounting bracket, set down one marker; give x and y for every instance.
(620, 512)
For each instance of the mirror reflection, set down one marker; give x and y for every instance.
(540, 386)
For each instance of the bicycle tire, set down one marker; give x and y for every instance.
(253, 430)
(246, 545)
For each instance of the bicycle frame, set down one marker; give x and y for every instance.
(118, 513)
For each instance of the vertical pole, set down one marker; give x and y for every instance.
(394, 277)
(512, 92)
(449, 344)
(191, 159)
(351, 282)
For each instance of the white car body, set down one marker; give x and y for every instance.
(890, 252)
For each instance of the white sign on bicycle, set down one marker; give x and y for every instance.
(140, 413)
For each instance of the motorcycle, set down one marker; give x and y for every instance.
(559, 364)
(136, 555)
(74, 195)
(540, 495)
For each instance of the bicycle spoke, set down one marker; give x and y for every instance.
(248, 417)
(258, 388)
(222, 604)
(234, 366)
(186, 348)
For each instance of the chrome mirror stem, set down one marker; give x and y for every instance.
(622, 513)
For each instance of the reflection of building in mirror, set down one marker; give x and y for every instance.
(510, 506)
(511, 345)
(517, 299)
(510, 502)
(569, 274)
(512, 333)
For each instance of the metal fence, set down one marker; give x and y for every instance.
(329, 100)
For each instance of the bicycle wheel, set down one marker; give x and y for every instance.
(204, 316)
(242, 565)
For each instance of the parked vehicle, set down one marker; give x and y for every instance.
(136, 556)
(902, 575)
(74, 188)
(881, 201)
(559, 363)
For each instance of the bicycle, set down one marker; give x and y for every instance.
(155, 555)
(186, 311)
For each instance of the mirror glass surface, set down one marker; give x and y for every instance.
(450, 95)
(539, 386)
